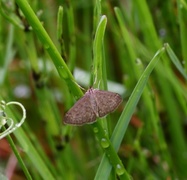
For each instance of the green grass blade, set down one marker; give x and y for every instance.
(175, 61)
(61, 66)
(99, 60)
(181, 6)
(31, 151)
(120, 129)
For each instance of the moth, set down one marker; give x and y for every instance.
(95, 103)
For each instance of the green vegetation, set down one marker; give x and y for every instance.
(50, 49)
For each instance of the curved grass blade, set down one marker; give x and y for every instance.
(121, 127)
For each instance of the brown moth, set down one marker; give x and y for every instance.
(95, 103)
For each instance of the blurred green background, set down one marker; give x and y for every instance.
(155, 143)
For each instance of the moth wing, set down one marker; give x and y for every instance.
(106, 101)
(81, 112)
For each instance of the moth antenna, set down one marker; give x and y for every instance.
(80, 86)
(95, 80)
(99, 83)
